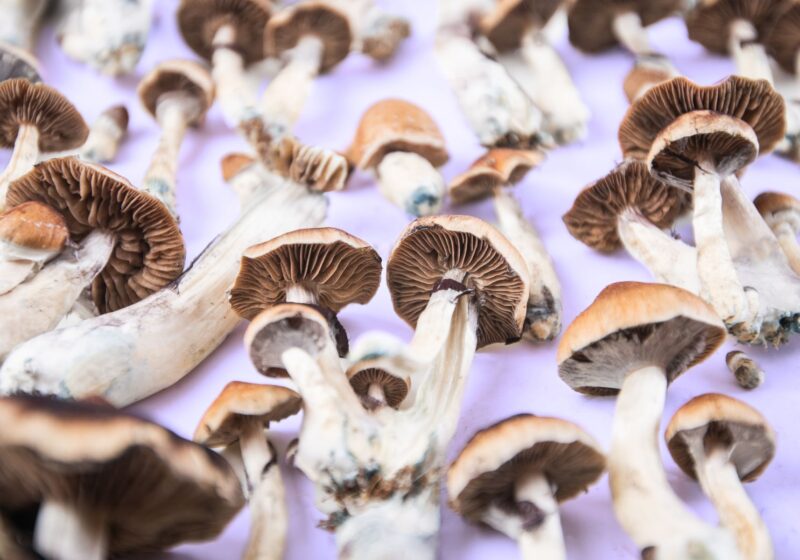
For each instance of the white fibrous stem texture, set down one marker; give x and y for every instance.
(64, 532)
(127, 355)
(26, 152)
(411, 182)
(253, 181)
(785, 229)
(750, 55)
(629, 31)
(103, 142)
(20, 21)
(18, 263)
(236, 97)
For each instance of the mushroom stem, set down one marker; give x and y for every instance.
(236, 98)
(376, 393)
(750, 55)
(105, 136)
(269, 517)
(787, 238)
(23, 158)
(17, 264)
(256, 454)
(411, 182)
(299, 294)
(544, 538)
(20, 20)
(65, 532)
(629, 31)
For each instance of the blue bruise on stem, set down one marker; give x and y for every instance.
(422, 202)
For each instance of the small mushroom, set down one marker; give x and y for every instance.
(106, 135)
(319, 169)
(20, 22)
(747, 372)
(16, 62)
(376, 385)
(513, 475)
(647, 72)
(404, 146)
(781, 211)
(722, 442)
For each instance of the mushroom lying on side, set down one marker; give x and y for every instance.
(721, 442)
(319, 169)
(376, 385)
(747, 372)
(20, 21)
(781, 212)
(632, 341)
(16, 62)
(105, 135)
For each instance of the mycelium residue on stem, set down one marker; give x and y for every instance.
(105, 135)
(379, 34)
(781, 212)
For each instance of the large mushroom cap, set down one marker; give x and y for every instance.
(60, 125)
(35, 226)
(709, 21)
(717, 420)
(149, 253)
(395, 125)
(506, 24)
(493, 269)
(631, 325)
(770, 203)
(783, 40)
(496, 168)
(594, 216)
(365, 373)
(178, 77)
(485, 473)
(153, 488)
(18, 63)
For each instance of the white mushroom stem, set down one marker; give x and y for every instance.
(256, 454)
(411, 182)
(786, 234)
(26, 151)
(17, 264)
(65, 532)
(299, 294)
(236, 98)
(252, 182)
(20, 21)
(750, 56)
(104, 140)
(629, 31)
(376, 393)
(547, 540)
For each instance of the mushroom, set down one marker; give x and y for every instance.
(106, 483)
(782, 38)
(178, 94)
(722, 442)
(404, 146)
(781, 212)
(648, 71)
(105, 135)
(20, 22)
(376, 385)
(632, 341)
(34, 118)
(16, 62)
(240, 414)
(320, 169)
(513, 474)
(379, 34)
(747, 372)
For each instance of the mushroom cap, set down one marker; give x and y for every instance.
(506, 24)
(395, 125)
(709, 21)
(149, 253)
(594, 216)
(486, 471)
(495, 272)
(783, 39)
(221, 425)
(336, 266)
(234, 163)
(713, 420)
(649, 70)
(200, 20)
(60, 125)
(34, 225)
(313, 17)
(631, 325)
(364, 373)
(18, 63)
(118, 114)
(171, 77)
(495, 168)
(154, 489)
(774, 202)
(591, 22)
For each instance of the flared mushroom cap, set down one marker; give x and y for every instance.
(313, 17)
(783, 39)
(715, 420)
(18, 63)
(709, 21)
(509, 20)
(495, 273)
(631, 325)
(149, 252)
(234, 163)
(594, 216)
(200, 20)
(221, 424)
(395, 125)
(34, 226)
(496, 168)
(60, 125)
(336, 266)
(485, 473)
(365, 373)
(775, 205)
(153, 489)
(591, 22)
(178, 77)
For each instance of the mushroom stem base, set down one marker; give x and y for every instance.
(411, 182)
(629, 31)
(547, 539)
(26, 152)
(65, 533)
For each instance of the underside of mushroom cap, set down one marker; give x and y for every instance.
(34, 225)
(149, 252)
(18, 63)
(773, 202)
(178, 76)
(709, 21)
(783, 39)
(365, 373)
(497, 167)
(507, 23)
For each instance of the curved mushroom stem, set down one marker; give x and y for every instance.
(236, 97)
(629, 31)
(26, 152)
(787, 237)
(411, 182)
(750, 55)
(544, 538)
(65, 532)
(105, 135)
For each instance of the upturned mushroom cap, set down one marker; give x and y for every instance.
(364, 373)
(18, 63)
(178, 77)
(715, 420)
(234, 163)
(506, 24)
(336, 266)
(35, 226)
(771, 203)
(594, 216)
(783, 39)
(395, 125)
(200, 20)
(486, 471)
(221, 424)
(631, 325)
(709, 21)
(591, 22)
(495, 272)
(59, 123)
(149, 253)
(313, 17)
(496, 168)
(153, 488)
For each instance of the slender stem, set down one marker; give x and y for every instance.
(787, 237)
(255, 450)
(269, 518)
(63, 532)
(629, 31)
(411, 182)
(546, 540)
(376, 393)
(161, 175)
(236, 97)
(105, 137)
(750, 56)
(299, 294)
(26, 152)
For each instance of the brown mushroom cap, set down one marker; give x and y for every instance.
(18, 63)
(769, 203)
(507, 23)
(485, 473)
(783, 39)
(149, 253)
(200, 20)
(234, 163)
(496, 168)
(154, 489)
(171, 77)
(709, 21)
(631, 325)
(649, 70)
(496, 273)
(60, 125)
(313, 17)
(715, 420)
(34, 225)
(364, 373)
(594, 216)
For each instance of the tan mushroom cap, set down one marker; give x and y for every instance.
(508, 22)
(395, 125)
(591, 22)
(783, 39)
(313, 17)
(234, 163)
(200, 20)
(631, 325)
(34, 225)
(175, 490)
(364, 373)
(171, 77)
(496, 168)
(432, 246)
(769, 203)
(338, 267)
(60, 125)
(16, 62)
(648, 71)
(594, 216)
(709, 21)
(486, 471)
(718, 420)
(149, 253)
